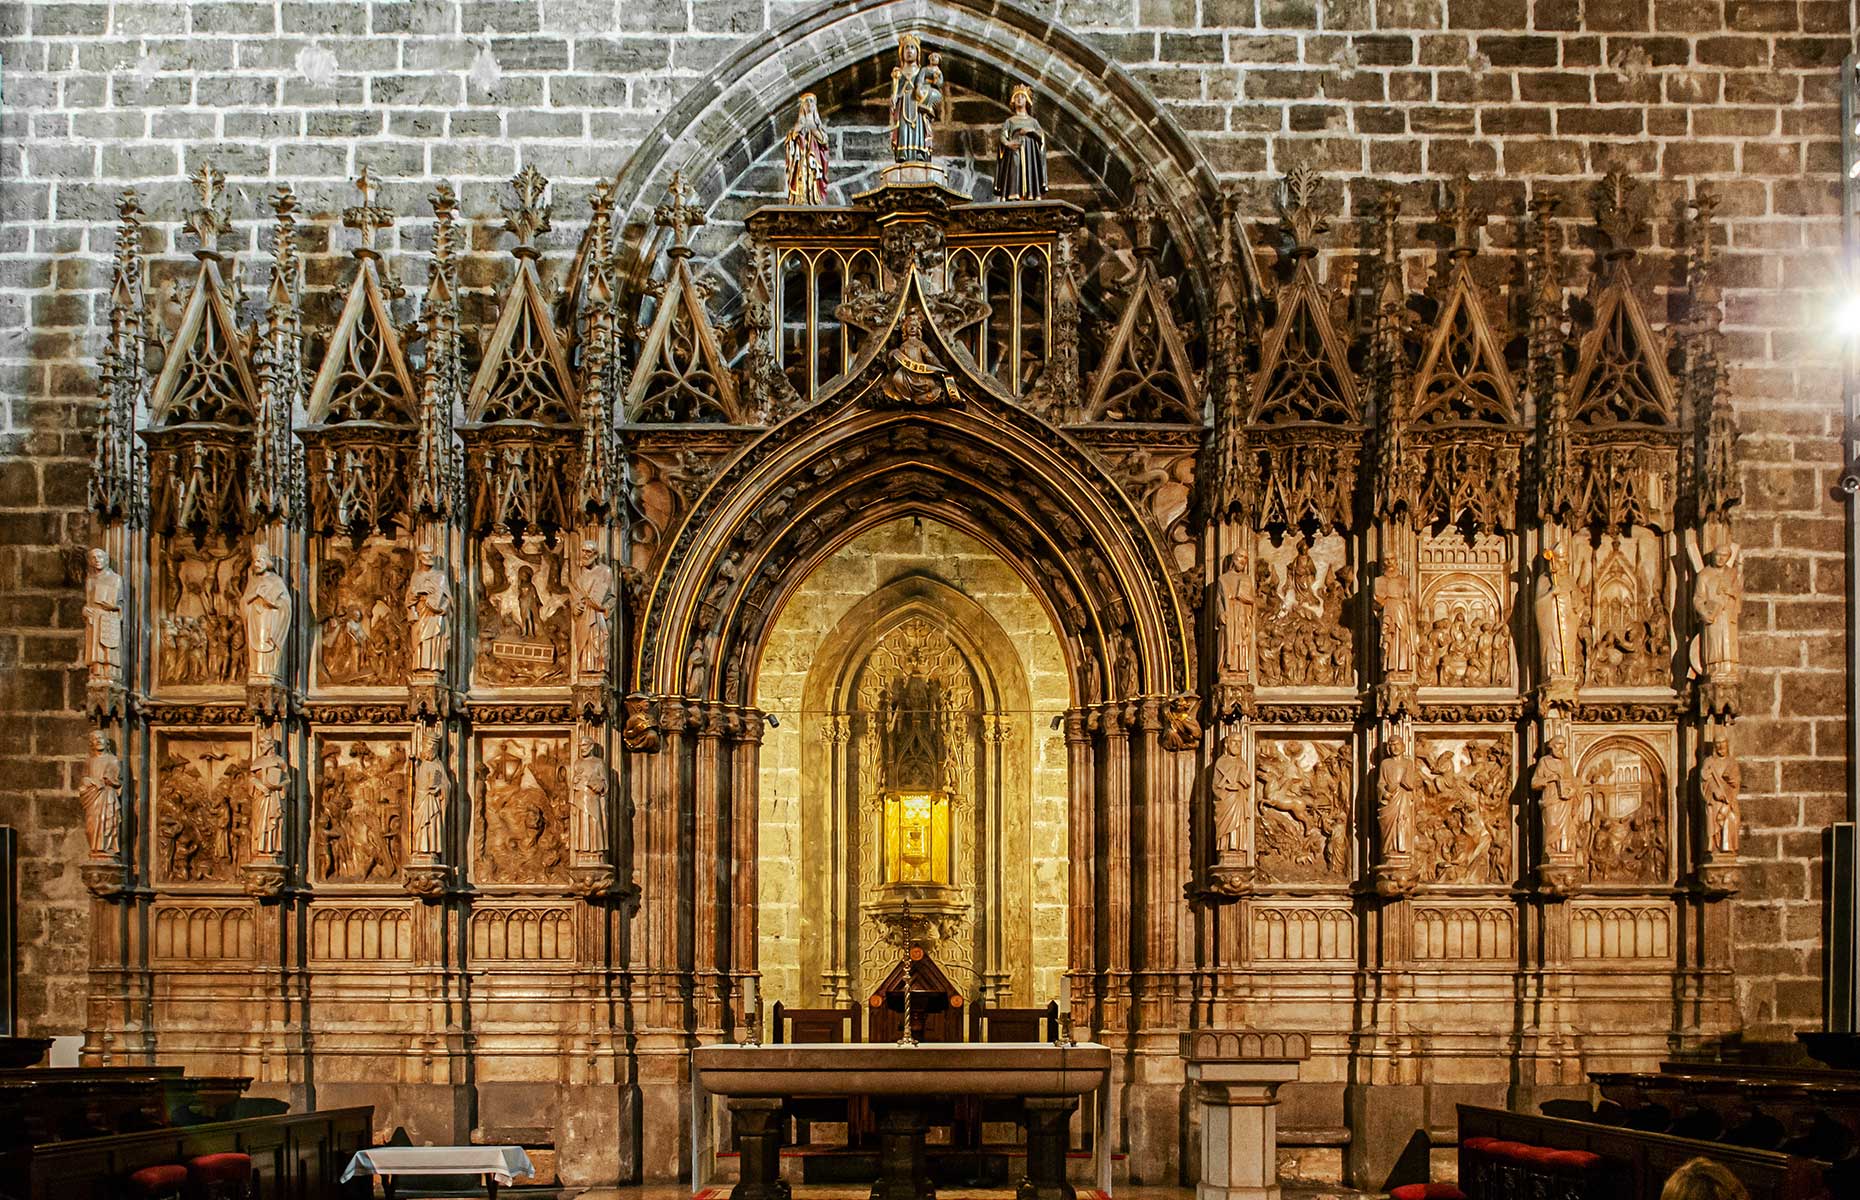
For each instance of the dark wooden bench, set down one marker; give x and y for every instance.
(297, 1156)
(820, 1026)
(1636, 1163)
(53, 1104)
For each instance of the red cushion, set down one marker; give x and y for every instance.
(1574, 1160)
(1510, 1151)
(230, 1167)
(158, 1181)
(1478, 1144)
(1427, 1191)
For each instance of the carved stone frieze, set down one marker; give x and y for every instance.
(200, 619)
(361, 612)
(522, 807)
(360, 819)
(1464, 817)
(203, 806)
(1306, 589)
(1303, 795)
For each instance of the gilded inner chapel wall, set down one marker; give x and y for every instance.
(1533, 101)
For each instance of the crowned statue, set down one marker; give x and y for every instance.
(807, 155)
(1020, 162)
(916, 101)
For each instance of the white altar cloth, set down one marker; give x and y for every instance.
(501, 1163)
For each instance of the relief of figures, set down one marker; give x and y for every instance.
(202, 618)
(523, 809)
(1624, 624)
(1465, 637)
(360, 614)
(1303, 589)
(361, 798)
(204, 791)
(523, 613)
(1622, 812)
(1303, 790)
(1463, 831)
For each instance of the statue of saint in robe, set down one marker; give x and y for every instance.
(103, 620)
(1020, 162)
(807, 155)
(916, 95)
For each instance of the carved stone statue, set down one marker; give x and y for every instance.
(697, 670)
(1717, 600)
(100, 791)
(270, 778)
(1238, 608)
(1020, 163)
(1231, 782)
(1554, 781)
(592, 597)
(432, 792)
(807, 155)
(429, 609)
(103, 621)
(916, 374)
(1181, 726)
(267, 606)
(1394, 601)
(916, 97)
(1398, 791)
(638, 734)
(1720, 781)
(587, 792)
(1554, 606)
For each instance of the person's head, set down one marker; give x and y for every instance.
(99, 741)
(99, 560)
(1398, 748)
(1559, 745)
(1022, 99)
(1719, 556)
(810, 107)
(1703, 1179)
(1720, 747)
(589, 552)
(261, 558)
(428, 558)
(1234, 743)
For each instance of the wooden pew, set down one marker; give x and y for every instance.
(298, 1156)
(54, 1104)
(1637, 1162)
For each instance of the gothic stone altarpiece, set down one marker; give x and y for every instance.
(1401, 629)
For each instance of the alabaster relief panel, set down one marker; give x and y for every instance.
(1464, 932)
(200, 624)
(1465, 635)
(1305, 589)
(1463, 822)
(1604, 930)
(1303, 790)
(203, 805)
(523, 613)
(532, 933)
(520, 808)
(203, 932)
(1622, 805)
(361, 933)
(360, 612)
(1303, 933)
(360, 824)
(1624, 620)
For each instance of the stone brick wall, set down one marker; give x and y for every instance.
(99, 95)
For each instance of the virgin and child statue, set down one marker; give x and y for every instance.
(916, 101)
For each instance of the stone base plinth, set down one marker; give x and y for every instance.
(1236, 1078)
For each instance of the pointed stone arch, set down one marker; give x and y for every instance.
(736, 112)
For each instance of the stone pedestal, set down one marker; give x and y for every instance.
(758, 1124)
(1049, 1134)
(1236, 1078)
(903, 1168)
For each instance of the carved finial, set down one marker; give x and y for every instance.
(1142, 212)
(531, 216)
(209, 221)
(286, 267)
(1549, 296)
(128, 263)
(1388, 208)
(1298, 195)
(1702, 253)
(367, 216)
(679, 215)
(600, 228)
(1617, 211)
(1458, 213)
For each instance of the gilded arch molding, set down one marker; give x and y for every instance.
(735, 112)
(1008, 478)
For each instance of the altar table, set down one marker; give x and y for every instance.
(496, 1164)
(755, 1080)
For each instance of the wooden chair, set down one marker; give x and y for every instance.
(811, 1027)
(990, 1024)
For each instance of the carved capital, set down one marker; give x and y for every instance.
(427, 880)
(263, 880)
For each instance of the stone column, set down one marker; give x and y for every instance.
(1236, 1077)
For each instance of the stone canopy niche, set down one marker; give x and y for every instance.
(1216, 619)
